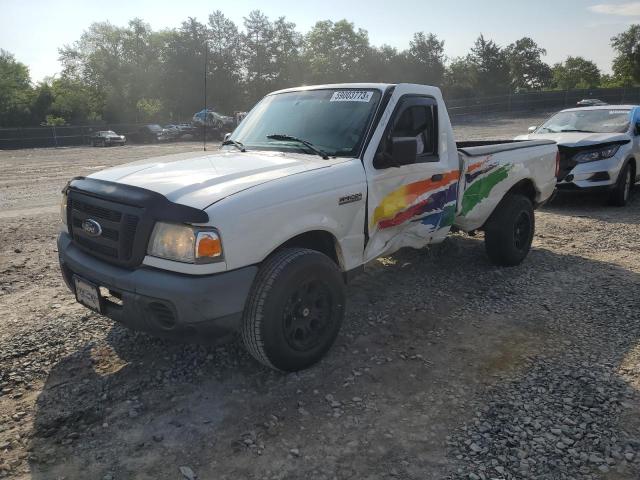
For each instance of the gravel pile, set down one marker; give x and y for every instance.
(560, 421)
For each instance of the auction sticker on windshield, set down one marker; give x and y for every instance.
(351, 96)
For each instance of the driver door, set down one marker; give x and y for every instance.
(412, 197)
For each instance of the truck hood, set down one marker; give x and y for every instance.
(577, 139)
(199, 179)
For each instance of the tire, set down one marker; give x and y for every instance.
(621, 194)
(509, 231)
(294, 310)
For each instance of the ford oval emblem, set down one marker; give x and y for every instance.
(91, 227)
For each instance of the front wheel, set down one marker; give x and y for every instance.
(295, 309)
(621, 194)
(509, 231)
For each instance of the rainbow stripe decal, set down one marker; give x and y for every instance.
(411, 202)
(479, 189)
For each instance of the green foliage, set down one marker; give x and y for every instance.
(576, 72)
(491, 67)
(626, 64)
(527, 70)
(53, 121)
(15, 91)
(133, 74)
(149, 109)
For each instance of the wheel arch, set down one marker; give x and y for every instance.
(525, 187)
(321, 241)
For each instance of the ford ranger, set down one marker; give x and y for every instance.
(262, 236)
(599, 149)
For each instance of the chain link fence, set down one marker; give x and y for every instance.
(540, 101)
(64, 136)
(61, 136)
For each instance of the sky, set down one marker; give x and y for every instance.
(33, 30)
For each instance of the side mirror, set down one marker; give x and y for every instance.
(532, 129)
(403, 151)
(636, 129)
(226, 137)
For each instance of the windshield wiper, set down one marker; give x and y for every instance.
(574, 130)
(290, 138)
(235, 143)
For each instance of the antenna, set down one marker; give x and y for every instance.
(204, 124)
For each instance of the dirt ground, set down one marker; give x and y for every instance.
(446, 367)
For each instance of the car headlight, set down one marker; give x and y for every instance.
(63, 207)
(595, 155)
(183, 243)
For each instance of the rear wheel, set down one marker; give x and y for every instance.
(509, 231)
(621, 194)
(295, 309)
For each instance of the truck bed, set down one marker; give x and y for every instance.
(476, 148)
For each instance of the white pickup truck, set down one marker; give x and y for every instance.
(262, 236)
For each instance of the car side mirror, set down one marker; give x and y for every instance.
(226, 137)
(403, 151)
(532, 129)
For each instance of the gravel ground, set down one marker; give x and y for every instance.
(446, 368)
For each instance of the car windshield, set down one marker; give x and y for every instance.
(333, 120)
(108, 133)
(592, 121)
(154, 128)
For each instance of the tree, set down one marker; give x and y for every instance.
(336, 52)
(626, 64)
(426, 54)
(74, 101)
(226, 88)
(461, 78)
(526, 68)
(287, 57)
(122, 63)
(258, 54)
(491, 67)
(15, 91)
(149, 109)
(576, 72)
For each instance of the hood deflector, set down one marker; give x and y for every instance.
(155, 204)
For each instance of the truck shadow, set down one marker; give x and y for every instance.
(428, 335)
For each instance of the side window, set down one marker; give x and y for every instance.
(416, 119)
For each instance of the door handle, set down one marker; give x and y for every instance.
(437, 177)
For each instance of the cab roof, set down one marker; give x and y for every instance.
(358, 86)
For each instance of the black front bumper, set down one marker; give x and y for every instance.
(164, 303)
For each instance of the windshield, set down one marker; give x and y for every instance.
(108, 133)
(591, 121)
(334, 121)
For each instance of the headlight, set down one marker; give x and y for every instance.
(183, 243)
(63, 207)
(595, 155)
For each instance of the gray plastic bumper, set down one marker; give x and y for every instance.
(162, 302)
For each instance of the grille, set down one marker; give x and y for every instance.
(120, 241)
(97, 211)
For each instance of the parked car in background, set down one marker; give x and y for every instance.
(106, 138)
(261, 236)
(151, 133)
(599, 149)
(591, 102)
